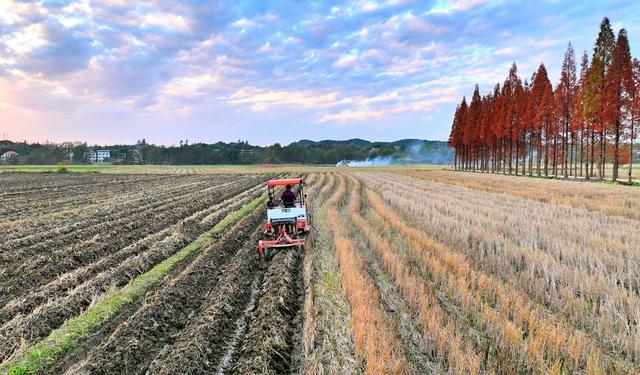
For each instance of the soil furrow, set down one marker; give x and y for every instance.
(136, 342)
(112, 216)
(171, 237)
(268, 346)
(54, 310)
(45, 266)
(202, 346)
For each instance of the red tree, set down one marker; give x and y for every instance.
(566, 96)
(617, 95)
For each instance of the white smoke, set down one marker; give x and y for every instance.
(412, 154)
(369, 162)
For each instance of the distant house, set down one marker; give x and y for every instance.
(98, 156)
(8, 155)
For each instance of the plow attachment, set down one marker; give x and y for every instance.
(268, 248)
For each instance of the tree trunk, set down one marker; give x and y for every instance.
(593, 151)
(568, 166)
(517, 153)
(525, 153)
(631, 151)
(581, 150)
(601, 156)
(616, 152)
(563, 165)
(531, 154)
(555, 155)
(546, 153)
(539, 153)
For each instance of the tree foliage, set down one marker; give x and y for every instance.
(587, 120)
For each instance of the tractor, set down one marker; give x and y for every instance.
(287, 219)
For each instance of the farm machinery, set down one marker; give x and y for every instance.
(287, 218)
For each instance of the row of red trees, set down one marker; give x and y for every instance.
(587, 122)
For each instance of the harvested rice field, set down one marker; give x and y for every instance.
(407, 271)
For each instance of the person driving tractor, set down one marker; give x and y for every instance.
(288, 197)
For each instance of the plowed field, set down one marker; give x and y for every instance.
(404, 272)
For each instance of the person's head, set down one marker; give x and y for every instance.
(288, 187)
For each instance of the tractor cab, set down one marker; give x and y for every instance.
(287, 219)
(293, 214)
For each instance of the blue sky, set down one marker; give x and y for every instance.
(114, 71)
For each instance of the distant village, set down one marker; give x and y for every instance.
(77, 153)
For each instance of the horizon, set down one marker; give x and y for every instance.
(95, 145)
(110, 72)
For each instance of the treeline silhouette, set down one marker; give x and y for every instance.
(240, 152)
(575, 130)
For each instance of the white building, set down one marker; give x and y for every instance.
(98, 156)
(8, 155)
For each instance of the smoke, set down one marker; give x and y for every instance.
(418, 152)
(369, 162)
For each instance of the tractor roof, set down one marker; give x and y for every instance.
(288, 181)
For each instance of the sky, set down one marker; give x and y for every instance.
(115, 71)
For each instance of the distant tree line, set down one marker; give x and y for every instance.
(588, 121)
(240, 152)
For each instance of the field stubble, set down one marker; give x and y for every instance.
(518, 243)
(406, 272)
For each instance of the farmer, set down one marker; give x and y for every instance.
(288, 197)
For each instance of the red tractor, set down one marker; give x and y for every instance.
(287, 218)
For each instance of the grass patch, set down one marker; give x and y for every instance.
(47, 351)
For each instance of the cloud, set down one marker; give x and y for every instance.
(342, 64)
(167, 21)
(350, 115)
(262, 99)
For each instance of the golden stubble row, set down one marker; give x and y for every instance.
(454, 352)
(503, 313)
(566, 288)
(373, 332)
(609, 199)
(314, 185)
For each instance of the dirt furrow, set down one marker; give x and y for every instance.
(136, 342)
(47, 265)
(269, 343)
(52, 198)
(109, 211)
(211, 335)
(41, 209)
(164, 243)
(28, 183)
(48, 310)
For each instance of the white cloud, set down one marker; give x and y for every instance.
(264, 98)
(243, 23)
(350, 115)
(346, 61)
(168, 21)
(27, 39)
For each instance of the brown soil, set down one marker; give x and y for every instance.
(268, 345)
(223, 310)
(55, 303)
(165, 313)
